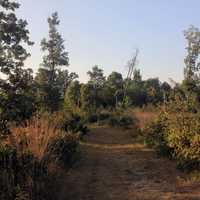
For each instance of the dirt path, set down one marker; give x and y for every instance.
(115, 166)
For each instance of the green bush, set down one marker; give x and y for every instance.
(113, 121)
(64, 149)
(17, 172)
(98, 117)
(4, 130)
(70, 122)
(92, 118)
(125, 121)
(155, 135)
(183, 135)
(122, 121)
(176, 132)
(103, 116)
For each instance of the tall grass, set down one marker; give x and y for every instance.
(34, 136)
(29, 153)
(144, 116)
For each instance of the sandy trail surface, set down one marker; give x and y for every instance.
(114, 165)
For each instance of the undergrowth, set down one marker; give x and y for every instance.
(176, 132)
(35, 153)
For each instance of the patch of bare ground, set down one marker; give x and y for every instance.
(116, 166)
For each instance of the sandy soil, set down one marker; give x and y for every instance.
(116, 166)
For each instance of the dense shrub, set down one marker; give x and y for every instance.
(104, 116)
(125, 121)
(113, 118)
(20, 174)
(155, 135)
(113, 121)
(74, 123)
(64, 149)
(4, 130)
(122, 121)
(176, 132)
(92, 118)
(98, 117)
(184, 137)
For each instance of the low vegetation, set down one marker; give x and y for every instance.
(28, 154)
(175, 132)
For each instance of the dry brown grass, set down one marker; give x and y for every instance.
(34, 136)
(143, 116)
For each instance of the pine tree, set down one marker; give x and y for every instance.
(57, 56)
(50, 74)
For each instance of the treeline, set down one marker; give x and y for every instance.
(114, 91)
(54, 88)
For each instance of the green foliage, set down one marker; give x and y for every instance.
(72, 122)
(153, 91)
(73, 95)
(4, 129)
(115, 81)
(92, 118)
(126, 121)
(16, 88)
(64, 149)
(97, 78)
(122, 121)
(155, 135)
(50, 80)
(88, 98)
(56, 56)
(184, 138)
(117, 118)
(176, 131)
(136, 94)
(16, 172)
(92, 93)
(100, 117)
(104, 115)
(192, 35)
(113, 89)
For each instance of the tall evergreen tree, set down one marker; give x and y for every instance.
(50, 75)
(54, 46)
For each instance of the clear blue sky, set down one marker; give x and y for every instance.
(106, 32)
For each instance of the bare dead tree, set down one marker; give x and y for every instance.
(131, 67)
(131, 64)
